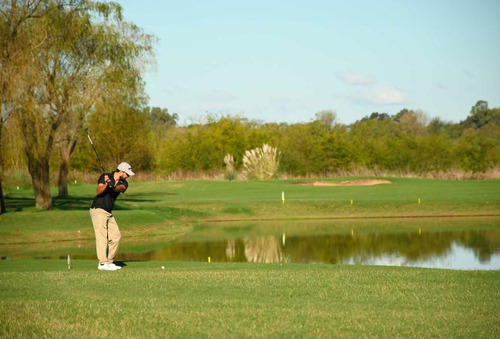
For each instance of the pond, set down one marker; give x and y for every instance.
(448, 243)
(463, 244)
(449, 249)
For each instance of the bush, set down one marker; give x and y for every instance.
(229, 161)
(261, 163)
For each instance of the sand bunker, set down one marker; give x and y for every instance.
(363, 182)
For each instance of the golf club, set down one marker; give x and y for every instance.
(99, 159)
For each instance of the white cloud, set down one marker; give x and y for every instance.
(356, 78)
(385, 96)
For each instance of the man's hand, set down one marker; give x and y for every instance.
(110, 183)
(115, 186)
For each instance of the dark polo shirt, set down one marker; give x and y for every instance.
(106, 200)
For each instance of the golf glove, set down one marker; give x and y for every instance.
(111, 184)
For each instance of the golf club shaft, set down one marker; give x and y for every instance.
(97, 155)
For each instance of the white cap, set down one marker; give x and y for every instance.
(125, 167)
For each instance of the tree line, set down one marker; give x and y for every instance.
(407, 142)
(66, 65)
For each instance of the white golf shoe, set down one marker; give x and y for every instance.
(108, 267)
(114, 266)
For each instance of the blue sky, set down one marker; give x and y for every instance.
(284, 61)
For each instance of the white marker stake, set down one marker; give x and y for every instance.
(69, 262)
(283, 197)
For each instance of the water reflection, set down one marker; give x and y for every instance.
(454, 250)
(452, 243)
(262, 249)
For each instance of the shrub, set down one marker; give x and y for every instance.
(229, 161)
(261, 163)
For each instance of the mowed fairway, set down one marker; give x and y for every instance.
(43, 298)
(149, 206)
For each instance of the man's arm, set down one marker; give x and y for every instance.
(120, 188)
(116, 186)
(102, 186)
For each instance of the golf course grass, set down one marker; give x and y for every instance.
(43, 298)
(152, 208)
(213, 300)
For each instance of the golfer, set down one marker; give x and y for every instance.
(107, 234)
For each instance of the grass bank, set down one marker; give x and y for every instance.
(42, 298)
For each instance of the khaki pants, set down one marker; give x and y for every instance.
(107, 235)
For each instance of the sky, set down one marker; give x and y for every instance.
(285, 61)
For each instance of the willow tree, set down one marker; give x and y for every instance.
(77, 43)
(16, 44)
(103, 60)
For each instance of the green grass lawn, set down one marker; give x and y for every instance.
(149, 206)
(214, 300)
(42, 298)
